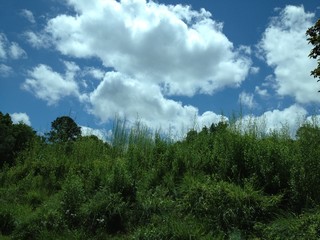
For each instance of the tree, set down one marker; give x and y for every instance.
(64, 129)
(313, 34)
(14, 138)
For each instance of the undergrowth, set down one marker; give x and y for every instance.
(220, 182)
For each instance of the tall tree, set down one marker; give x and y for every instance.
(313, 34)
(64, 129)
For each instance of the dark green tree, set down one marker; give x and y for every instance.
(313, 34)
(13, 138)
(64, 129)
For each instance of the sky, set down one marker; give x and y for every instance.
(173, 65)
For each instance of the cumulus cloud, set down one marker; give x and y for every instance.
(51, 86)
(155, 51)
(20, 117)
(289, 118)
(183, 50)
(87, 131)
(27, 14)
(10, 50)
(285, 48)
(118, 94)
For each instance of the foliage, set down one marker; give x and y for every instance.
(64, 129)
(14, 138)
(313, 34)
(217, 183)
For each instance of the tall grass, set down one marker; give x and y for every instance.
(232, 179)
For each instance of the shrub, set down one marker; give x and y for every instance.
(105, 212)
(73, 196)
(305, 226)
(225, 206)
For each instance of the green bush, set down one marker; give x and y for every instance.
(73, 196)
(305, 226)
(225, 206)
(7, 222)
(106, 212)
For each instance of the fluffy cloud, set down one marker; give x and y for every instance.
(183, 50)
(285, 48)
(28, 15)
(51, 86)
(87, 131)
(10, 50)
(20, 117)
(155, 51)
(289, 118)
(121, 95)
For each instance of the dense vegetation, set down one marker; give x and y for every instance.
(217, 183)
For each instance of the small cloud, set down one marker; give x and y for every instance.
(87, 131)
(27, 14)
(95, 73)
(261, 92)
(10, 49)
(51, 86)
(3, 43)
(37, 40)
(254, 70)
(246, 99)
(16, 52)
(20, 117)
(5, 70)
(245, 49)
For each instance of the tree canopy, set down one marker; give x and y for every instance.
(313, 34)
(13, 138)
(64, 129)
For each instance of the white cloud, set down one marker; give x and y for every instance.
(246, 99)
(16, 52)
(128, 98)
(5, 70)
(262, 92)
(289, 118)
(173, 46)
(20, 117)
(286, 49)
(10, 50)
(87, 131)
(156, 50)
(254, 70)
(51, 86)
(94, 72)
(28, 15)
(37, 40)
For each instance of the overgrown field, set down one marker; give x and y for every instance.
(217, 183)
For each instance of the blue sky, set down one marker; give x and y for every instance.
(172, 64)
